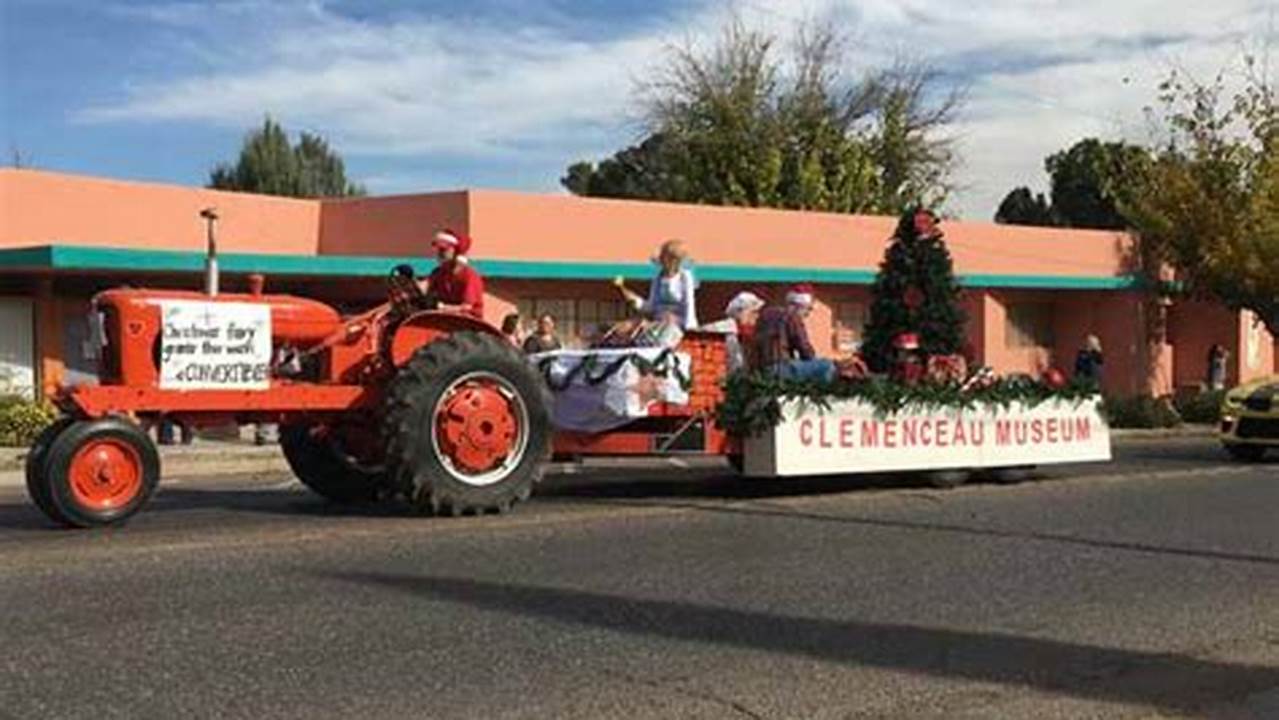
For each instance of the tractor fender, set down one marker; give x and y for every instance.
(421, 329)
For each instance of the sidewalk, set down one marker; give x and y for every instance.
(1185, 431)
(206, 457)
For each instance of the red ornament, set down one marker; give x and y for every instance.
(909, 371)
(913, 297)
(925, 223)
(1054, 378)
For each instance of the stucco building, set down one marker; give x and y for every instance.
(1032, 293)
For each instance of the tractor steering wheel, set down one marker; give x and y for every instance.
(405, 294)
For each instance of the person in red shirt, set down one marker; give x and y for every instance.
(454, 284)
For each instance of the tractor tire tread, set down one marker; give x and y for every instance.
(315, 466)
(57, 463)
(411, 397)
(37, 488)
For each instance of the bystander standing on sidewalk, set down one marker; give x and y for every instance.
(1218, 356)
(1089, 361)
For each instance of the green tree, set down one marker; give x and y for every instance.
(1022, 207)
(732, 126)
(1086, 178)
(915, 291)
(1209, 203)
(270, 165)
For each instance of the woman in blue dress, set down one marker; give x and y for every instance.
(673, 292)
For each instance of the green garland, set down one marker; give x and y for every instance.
(753, 403)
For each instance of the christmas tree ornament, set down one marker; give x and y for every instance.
(913, 297)
(1054, 378)
(925, 223)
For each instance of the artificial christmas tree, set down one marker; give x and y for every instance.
(915, 293)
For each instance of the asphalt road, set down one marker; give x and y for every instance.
(1148, 587)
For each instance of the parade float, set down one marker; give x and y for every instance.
(420, 402)
(909, 401)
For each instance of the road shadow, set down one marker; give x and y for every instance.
(1162, 681)
(25, 517)
(794, 514)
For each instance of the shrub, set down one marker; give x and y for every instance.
(1202, 407)
(1140, 411)
(21, 420)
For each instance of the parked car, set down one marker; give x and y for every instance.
(1250, 419)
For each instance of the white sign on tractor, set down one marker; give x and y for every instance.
(215, 345)
(851, 436)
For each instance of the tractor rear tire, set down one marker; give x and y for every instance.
(98, 472)
(467, 426)
(36, 456)
(322, 466)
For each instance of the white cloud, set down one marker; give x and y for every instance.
(446, 89)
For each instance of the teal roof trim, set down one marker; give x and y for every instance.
(77, 258)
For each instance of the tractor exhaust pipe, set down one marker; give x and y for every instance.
(210, 216)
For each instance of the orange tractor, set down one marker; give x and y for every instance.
(401, 400)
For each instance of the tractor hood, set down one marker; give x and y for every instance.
(294, 320)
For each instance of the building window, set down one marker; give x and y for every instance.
(1030, 325)
(594, 317)
(849, 324)
(576, 321)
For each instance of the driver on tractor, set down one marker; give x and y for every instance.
(454, 284)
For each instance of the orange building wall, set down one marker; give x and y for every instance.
(1195, 326)
(556, 228)
(40, 208)
(1252, 334)
(399, 225)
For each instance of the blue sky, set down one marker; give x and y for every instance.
(422, 96)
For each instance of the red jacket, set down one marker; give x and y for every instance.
(454, 284)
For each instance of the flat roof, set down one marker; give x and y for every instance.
(83, 258)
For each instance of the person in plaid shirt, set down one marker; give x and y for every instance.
(781, 344)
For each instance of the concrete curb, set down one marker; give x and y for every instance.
(185, 459)
(227, 458)
(1185, 431)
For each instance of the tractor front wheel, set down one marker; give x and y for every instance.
(329, 462)
(95, 472)
(467, 425)
(37, 489)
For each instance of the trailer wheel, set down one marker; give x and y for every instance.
(36, 456)
(946, 479)
(1245, 453)
(737, 462)
(467, 425)
(323, 462)
(1012, 475)
(99, 472)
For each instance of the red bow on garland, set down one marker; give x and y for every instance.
(947, 369)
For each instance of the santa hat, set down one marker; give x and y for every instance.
(452, 239)
(801, 295)
(906, 341)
